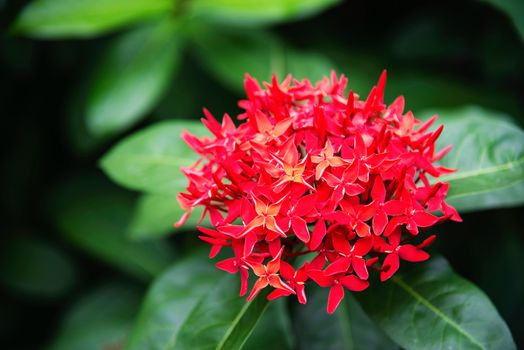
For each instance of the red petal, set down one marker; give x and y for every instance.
(351, 173)
(341, 244)
(339, 217)
(301, 293)
(411, 253)
(247, 210)
(256, 222)
(363, 246)
(274, 246)
(353, 283)
(362, 229)
(304, 205)
(381, 86)
(276, 282)
(375, 160)
(300, 229)
(260, 284)
(380, 220)
(263, 123)
(277, 293)
(337, 195)
(349, 105)
(214, 251)
(353, 189)
(282, 127)
(424, 219)
(229, 230)
(249, 243)
(273, 209)
(336, 294)
(379, 244)
(393, 223)
(341, 265)
(394, 207)
(215, 217)
(372, 261)
(321, 167)
(331, 180)
(287, 271)
(228, 265)
(320, 278)
(319, 232)
(360, 146)
(274, 265)
(318, 262)
(244, 278)
(427, 242)
(359, 265)
(389, 267)
(271, 224)
(378, 193)
(366, 212)
(394, 239)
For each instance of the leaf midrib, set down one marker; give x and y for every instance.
(486, 190)
(236, 321)
(435, 310)
(173, 340)
(483, 171)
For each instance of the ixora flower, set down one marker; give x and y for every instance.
(311, 171)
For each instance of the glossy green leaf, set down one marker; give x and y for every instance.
(431, 307)
(93, 216)
(34, 267)
(131, 77)
(155, 215)
(348, 328)
(86, 18)
(256, 12)
(150, 160)
(229, 55)
(194, 306)
(99, 320)
(514, 9)
(489, 155)
(273, 331)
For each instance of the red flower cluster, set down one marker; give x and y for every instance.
(309, 171)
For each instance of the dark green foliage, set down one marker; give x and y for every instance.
(100, 90)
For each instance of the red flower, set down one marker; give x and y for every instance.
(309, 171)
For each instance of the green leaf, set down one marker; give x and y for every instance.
(150, 160)
(99, 320)
(86, 18)
(273, 331)
(255, 12)
(229, 55)
(131, 77)
(34, 267)
(348, 328)
(489, 155)
(93, 216)
(155, 215)
(194, 306)
(514, 9)
(431, 307)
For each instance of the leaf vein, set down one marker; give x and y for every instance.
(435, 310)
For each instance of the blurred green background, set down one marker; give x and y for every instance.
(78, 76)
